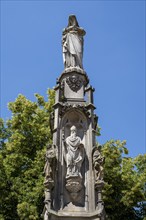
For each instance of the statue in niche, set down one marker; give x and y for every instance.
(98, 161)
(49, 170)
(50, 159)
(74, 154)
(72, 42)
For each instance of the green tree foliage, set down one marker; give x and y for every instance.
(23, 143)
(125, 179)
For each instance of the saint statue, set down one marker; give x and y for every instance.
(49, 170)
(98, 161)
(74, 154)
(50, 158)
(72, 42)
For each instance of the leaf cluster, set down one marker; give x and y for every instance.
(23, 140)
(125, 178)
(23, 143)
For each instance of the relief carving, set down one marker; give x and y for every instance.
(98, 161)
(74, 156)
(50, 159)
(49, 170)
(74, 82)
(80, 107)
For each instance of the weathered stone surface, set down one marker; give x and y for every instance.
(74, 165)
(72, 42)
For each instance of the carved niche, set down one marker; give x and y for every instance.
(66, 107)
(74, 154)
(49, 168)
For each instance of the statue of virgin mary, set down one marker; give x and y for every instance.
(72, 42)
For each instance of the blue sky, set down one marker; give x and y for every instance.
(114, 59)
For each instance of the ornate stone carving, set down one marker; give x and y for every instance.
(72, 42)
(77, 70)
(74, 185)
(98, 161)
(80, 107)
(49, 170)
(74, 156)
(50, 159)
(47, 204)
(74, 82)
(95, 118)
(73, 168)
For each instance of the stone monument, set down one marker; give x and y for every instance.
(74, 165)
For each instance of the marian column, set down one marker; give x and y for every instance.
(74, 165)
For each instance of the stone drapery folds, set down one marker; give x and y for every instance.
(74, 154)
(72, 43)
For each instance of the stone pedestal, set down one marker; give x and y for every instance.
(73, 191)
